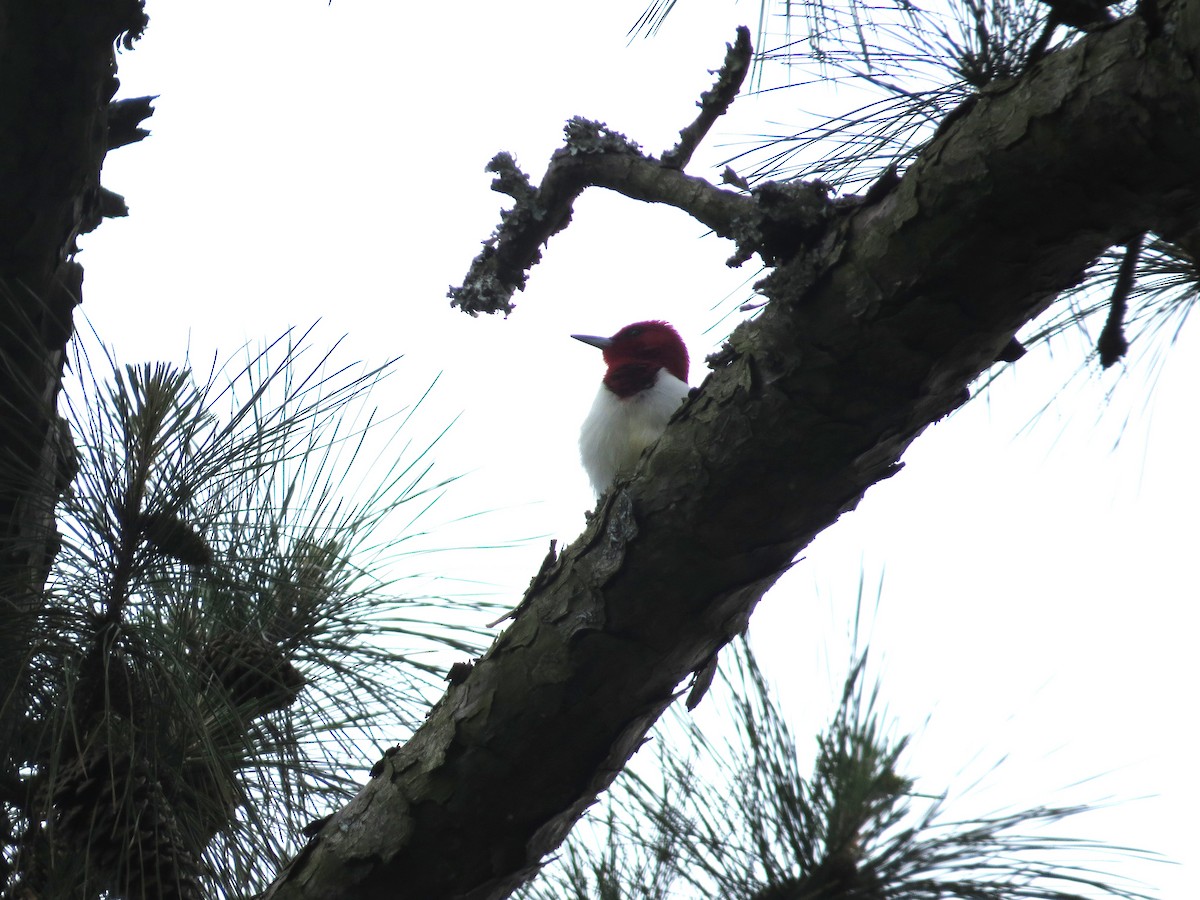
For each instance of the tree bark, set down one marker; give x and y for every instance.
(57, 75)
(870, 334)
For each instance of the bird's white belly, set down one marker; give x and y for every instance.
(618, 429)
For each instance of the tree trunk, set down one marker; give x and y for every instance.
(57, 75)
(872, 332)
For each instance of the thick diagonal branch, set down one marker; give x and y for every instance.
(866, 341)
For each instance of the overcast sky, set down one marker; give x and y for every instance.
(309, 161)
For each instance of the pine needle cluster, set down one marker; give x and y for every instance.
(743, 819)
(219, 633)
(913, 63)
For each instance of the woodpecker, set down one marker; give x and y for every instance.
(644, 385)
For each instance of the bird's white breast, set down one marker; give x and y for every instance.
(618, 429)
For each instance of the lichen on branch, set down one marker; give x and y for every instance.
(594, 155)
(716, 102)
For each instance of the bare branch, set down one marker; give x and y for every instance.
(776, 220)
(714, 103)
(594, 155)
(1112, 344)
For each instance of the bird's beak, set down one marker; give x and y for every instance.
(601, 342)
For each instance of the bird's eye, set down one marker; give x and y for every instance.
(634, 332)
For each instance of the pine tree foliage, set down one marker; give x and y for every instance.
(1165, 289)
(921, 66)
(741, 818)
(225, 626)
(916, 64)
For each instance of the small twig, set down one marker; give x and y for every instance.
(731, 177)
(509, 178)
(714, 103)
(1112, 344)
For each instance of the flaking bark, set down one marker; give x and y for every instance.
(873, 331)
(57, 76)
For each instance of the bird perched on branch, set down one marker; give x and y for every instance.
(645, 382)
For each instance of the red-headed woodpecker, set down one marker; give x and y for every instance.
(644, 385)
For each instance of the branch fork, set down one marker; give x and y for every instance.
(763, 220)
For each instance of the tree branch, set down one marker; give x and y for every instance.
(1111, 345)
(714, 103)
(775, 220)
(866, 340)
(593, 155)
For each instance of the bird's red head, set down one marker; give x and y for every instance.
(636, 353)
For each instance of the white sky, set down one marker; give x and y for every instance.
(311, 161)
